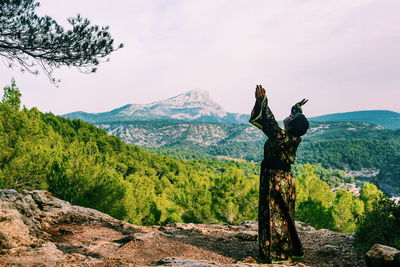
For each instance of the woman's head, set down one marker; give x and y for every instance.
(296, 125)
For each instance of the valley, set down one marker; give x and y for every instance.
(191, 125)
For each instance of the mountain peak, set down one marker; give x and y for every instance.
(198, 93)
(194, 105)
(192, 96)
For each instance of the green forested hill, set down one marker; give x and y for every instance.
(387, 119)
(352, 146)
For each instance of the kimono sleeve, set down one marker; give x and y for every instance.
(262, 118)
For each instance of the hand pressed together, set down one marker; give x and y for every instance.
(260, 92)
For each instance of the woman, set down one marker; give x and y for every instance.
(278, 238)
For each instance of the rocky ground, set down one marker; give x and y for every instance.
(37, 229)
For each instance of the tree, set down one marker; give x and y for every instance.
(345, 209)
(314, 213)
(370, 194)
(380, 224)
(28, 40)
(12, 96)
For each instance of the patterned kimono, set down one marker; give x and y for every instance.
(278, 238)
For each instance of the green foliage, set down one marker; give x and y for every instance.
(370, 194)
(12, 96)
(314, 199)
(381, 224)
(309, 186)
(234, 196)
(333, 177)
(180, 153)
(334, 146)
(317, 205)
(389, 176)
(28, 40)
(315, 214)
(346, 209)
(24, 144)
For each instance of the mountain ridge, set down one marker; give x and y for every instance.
(386, 118)
(197, 106)
(194, 105)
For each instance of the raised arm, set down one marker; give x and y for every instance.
(262, 117)
(297, 107)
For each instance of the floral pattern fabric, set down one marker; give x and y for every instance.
(278, 238)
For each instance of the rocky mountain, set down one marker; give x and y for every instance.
(194, 105)
(37, 229)
(385, 118)
(221, 139)
(169, 133)
(197, 106)
(175, 133)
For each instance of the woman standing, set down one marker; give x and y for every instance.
(278, 239)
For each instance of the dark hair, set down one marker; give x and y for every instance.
(298, 126)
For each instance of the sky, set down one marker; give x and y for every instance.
(342, 55)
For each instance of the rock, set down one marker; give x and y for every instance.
(176, 261)
(381, 255)
(328, 250)
(45, 255)
(253, 225)
(247, 235)
(39, 208)
(37, 229)
(300, 226)
(248, 260)
(5, 242)
(183, 226)
(18, 220)
(66, 231)
(142, 237)
(26, 217)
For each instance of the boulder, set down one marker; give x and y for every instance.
(381, 255)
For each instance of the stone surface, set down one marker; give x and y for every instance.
(247, 235)
(175, 261)
(300, 226)
(380, 255)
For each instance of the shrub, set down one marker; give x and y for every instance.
(380, 225)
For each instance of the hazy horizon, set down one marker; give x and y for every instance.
(248, 113)
(342, 55)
